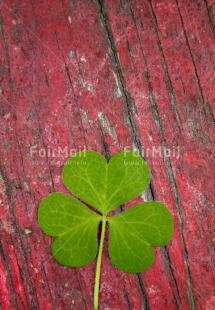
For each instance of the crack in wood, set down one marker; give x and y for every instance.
(16, 226)
(107, 151)
(210, 110)
(23, 168)
(5, 258)
(5, 46)
(143, 292)
(191, 296)
(126, 95)
(193, 62)
(71, 132)
(169, 84)
(210, 15)
(114, 56)
(127, 299)
(191, 54)
(173, 280)
(105, 23)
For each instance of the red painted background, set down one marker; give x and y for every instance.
(105, 75)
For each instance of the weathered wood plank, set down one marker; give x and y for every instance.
(163, 67)
(105, 76)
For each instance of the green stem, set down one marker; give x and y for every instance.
(98, 266)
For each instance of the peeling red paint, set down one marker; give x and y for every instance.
(104, 76)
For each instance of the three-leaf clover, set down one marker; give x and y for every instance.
(105, 186)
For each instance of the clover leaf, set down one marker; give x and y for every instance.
(75, 225)
(135, 231)
(105, 186)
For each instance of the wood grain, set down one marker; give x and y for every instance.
(105, 75)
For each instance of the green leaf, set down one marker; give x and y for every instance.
(104, 185)
(133, 232)
(74, 224)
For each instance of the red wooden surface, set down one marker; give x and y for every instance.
(104, 76)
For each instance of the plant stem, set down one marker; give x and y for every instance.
(98, 266)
